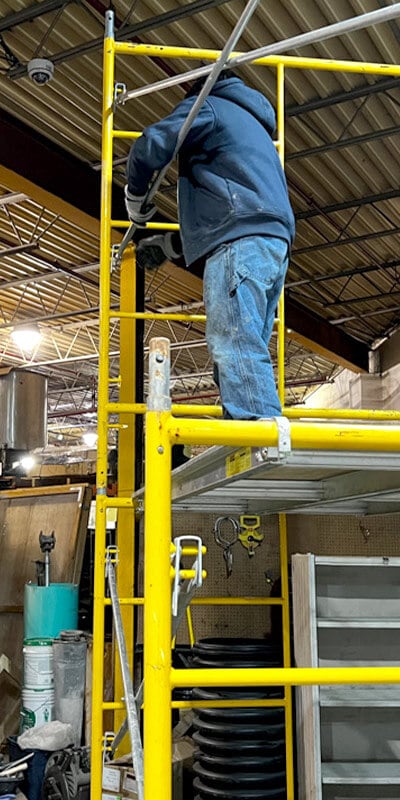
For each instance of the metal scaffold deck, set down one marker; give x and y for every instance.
(248, 480)
(344, 462)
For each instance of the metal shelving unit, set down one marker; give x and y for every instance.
(347, 736)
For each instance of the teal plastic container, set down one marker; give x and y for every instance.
(48, 610)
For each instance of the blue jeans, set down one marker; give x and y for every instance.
(242, 283)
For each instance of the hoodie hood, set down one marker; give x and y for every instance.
(235, 90)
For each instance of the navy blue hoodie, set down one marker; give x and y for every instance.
(231, 183)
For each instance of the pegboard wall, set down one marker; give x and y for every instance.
(321, 535)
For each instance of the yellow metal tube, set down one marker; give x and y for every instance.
(236, 601)
(304, 435)
(280, 118)
(189, 621)
(126, 601)
(291, 676)
(228, 703)
(209, 601)
(154, 315)
(192, 409)
(340, 413)
(284, 563)
(161, 226)
(157, 610)
(291, 62)
(100, 539)
(126, 134)
(118, 502)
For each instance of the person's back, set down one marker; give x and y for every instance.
(231, 183)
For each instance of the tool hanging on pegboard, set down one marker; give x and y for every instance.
(250, 536)
(227, 543)
(245, 530)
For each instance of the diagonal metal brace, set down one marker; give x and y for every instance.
(131, 711)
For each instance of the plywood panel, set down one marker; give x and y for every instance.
(23, 514)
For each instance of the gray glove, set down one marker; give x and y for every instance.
(136, 213)
(152, 252)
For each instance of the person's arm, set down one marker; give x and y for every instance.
(153, 251)
(155, 148)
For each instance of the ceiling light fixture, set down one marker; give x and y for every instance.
(90, 438)
(26, 336)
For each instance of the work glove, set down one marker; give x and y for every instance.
(136, 213)
(153, 251)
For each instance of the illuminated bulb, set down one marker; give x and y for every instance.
(90, 438)
(27, 463)
(26, 337)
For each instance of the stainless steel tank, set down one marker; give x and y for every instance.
(23, 410)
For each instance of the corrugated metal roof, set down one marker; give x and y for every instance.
(345, 260)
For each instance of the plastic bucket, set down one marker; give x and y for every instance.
(69, 679)
(38, 664)
(37, 708)
(49, 609)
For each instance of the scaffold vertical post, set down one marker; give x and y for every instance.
(286, 655)
(101, 507)
(280, 105)
(157, 580)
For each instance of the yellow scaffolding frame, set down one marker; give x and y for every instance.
(163, 430)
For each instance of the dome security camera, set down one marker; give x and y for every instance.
(40, 70)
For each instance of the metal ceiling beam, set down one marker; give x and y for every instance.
(343, 143)
(348, 240)
(366, 298)
(128, 31)
(366, 89)
(344, 273)
(368, 199)
(30, 13)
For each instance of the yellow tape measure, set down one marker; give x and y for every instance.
(249, 536)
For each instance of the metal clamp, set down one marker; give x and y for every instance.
(227, 544)
(108, 746)
(115, 257)
(112, 552)
(197, 567)
(119, 91)
(284, 442)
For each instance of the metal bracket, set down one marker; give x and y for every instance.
(115, 258)
(197, 566)
(119, 89)
(112, 552)
(108, 746)
(284, 446)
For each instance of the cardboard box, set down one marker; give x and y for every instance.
(119, 782)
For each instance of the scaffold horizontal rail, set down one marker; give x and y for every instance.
(283, 676)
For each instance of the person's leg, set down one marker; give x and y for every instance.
(242, 283)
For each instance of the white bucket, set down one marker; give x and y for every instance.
(38, 664)
(37, 708)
